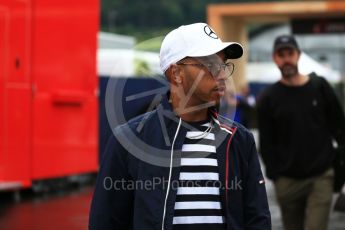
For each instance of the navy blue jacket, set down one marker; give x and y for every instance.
(140, 152)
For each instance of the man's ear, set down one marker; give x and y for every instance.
(175, 74)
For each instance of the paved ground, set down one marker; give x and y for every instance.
(65, 210)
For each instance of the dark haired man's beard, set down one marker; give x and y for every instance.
(289, 70)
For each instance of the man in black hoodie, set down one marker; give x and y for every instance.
(299, 117)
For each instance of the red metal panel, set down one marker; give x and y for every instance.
(65, 106)
(15, 92)
(3, 34)
(3, 31)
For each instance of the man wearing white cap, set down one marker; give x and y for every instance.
(209, 165)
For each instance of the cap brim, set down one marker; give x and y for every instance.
(233, 50)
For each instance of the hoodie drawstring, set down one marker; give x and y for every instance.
(170, 171)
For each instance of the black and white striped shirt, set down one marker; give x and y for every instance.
(197, 204)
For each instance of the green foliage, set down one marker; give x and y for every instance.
(141, 68)
(146, 19)
(152, 44)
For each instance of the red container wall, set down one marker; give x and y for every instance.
(3, 21)
(65, 109)
(15, 92)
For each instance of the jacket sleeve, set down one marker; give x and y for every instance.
(266, 134)
(112, 202)
(256, 211)
(335, 114)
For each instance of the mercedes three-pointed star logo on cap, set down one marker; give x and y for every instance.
(210, 32)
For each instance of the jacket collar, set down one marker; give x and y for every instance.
(170, 116)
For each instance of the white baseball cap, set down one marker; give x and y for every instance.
(194, 40)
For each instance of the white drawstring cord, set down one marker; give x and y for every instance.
(171, 160)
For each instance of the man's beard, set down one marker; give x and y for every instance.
(289, 70)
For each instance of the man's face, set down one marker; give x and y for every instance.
(203, 79)
(287, 61)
